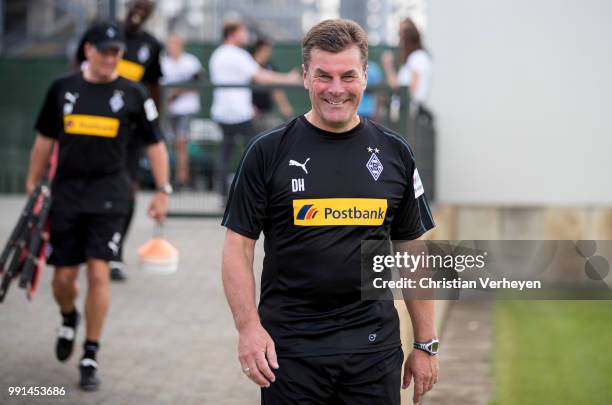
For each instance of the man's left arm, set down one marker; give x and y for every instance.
(158, 156)
(420, 365)
(414, 219)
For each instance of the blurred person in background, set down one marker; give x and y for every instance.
(263, 100)
(232, 108)
(92, 115)
(179, 66)
(140, 63)
(416, 65)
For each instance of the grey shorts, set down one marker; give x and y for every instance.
(178, 127)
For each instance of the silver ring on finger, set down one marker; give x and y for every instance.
(247, 371)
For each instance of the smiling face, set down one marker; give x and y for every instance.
(138, 13)
(335, 83)
(175, 46)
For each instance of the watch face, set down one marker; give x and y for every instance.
(434, 346)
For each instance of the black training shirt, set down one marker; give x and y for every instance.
(92, 123)
(316, 195)
(141, 59)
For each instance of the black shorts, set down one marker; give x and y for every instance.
(355, 379)
(76, 237)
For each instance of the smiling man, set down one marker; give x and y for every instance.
(316, 187)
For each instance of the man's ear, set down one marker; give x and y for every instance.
(305, 76)
(87, 48)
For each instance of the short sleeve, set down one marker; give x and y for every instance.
(196, 66)
(49, 122)
(413, 217)
(147, 122)
(246, 205)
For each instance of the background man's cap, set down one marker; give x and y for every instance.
(105, 35)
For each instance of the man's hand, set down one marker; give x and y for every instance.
(30, 186)
(424, 369)
(158, 206)
(257, 354)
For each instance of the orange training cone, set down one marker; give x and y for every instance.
(158, 256)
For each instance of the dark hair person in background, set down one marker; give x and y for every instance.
(415, 70)
(263, 100)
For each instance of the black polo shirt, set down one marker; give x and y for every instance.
(140, 61)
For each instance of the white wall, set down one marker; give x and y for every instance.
(523, 94)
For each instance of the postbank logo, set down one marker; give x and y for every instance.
(93, 125)
(339, 212)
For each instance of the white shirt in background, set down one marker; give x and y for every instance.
(181, 70)
(230, 64)
(419, 62)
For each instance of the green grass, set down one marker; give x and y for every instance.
(553, 352)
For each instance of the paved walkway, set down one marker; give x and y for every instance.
(169, 339)
(465, 356)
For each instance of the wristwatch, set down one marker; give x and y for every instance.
(166, 189)
(429, 347)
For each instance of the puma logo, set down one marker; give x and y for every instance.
(302, 165)
(71, 98)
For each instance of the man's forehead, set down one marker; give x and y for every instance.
(336, 62)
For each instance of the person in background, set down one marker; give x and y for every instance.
(232, 108)
(416, 67)
(180, 66)
(263, 100)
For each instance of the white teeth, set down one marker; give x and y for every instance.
(333, 103)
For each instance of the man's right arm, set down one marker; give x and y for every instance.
(39, 159)
(256, 350)
(265, 76)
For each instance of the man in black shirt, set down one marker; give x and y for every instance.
(92, 115)
(317, 186)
